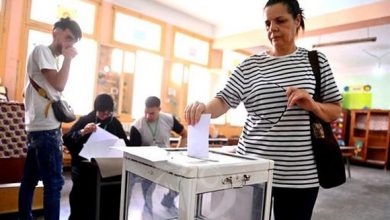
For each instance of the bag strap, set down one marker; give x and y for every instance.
(42, 93)
(315, 65)
(39, 89)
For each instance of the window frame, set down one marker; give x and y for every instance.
(193, 35)
(135, 14)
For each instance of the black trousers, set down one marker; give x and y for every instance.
(293, 204)
(82, 197)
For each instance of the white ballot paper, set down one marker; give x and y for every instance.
(100, 145)
(198, 138)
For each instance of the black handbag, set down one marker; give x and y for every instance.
(327, 153)
(61, 109)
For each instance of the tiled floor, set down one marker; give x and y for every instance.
(365, 196)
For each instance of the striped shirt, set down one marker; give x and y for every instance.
(272, 130)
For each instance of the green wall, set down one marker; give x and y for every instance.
(380, 86)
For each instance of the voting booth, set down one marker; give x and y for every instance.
(221, 186)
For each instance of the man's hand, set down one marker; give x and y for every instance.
(69, 52)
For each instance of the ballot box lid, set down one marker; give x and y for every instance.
(177, 161)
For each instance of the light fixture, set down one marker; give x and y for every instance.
(344, 42)
(378, 70)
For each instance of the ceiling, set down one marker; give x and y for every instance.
(234, 17)
(239, 25)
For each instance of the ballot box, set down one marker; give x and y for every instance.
(222, 186)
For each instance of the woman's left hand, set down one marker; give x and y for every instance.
(301, 98)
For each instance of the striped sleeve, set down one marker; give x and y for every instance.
(233, 91)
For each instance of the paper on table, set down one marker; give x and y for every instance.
(102, 149)
(100, 135)
(152, 153)
(100, 143)
(198, 138)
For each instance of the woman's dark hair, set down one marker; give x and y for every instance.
(104, 102)
(292, 8)
(67, 23)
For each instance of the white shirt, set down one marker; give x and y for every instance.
(35, 105)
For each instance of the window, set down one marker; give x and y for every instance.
(198, 81)
(50, 11)
(115, 76)
(82, 77)
(137, 32)
(230, 60)
(147, 80)
(177, 73)
(191, 49)
(218, 81)
(203, 85)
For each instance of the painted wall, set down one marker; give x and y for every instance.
(380, 81)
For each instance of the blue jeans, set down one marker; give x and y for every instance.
(43, 162)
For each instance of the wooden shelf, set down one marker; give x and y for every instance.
(376, 147)
(370, 130)
(376, 162)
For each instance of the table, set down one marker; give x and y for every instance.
(347, 152)
(108, 180)
(200, 181)
(214, 142)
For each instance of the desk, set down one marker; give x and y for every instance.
(196, 181)
(347, 152)
(213, 142)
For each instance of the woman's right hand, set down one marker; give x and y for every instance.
(193, 112)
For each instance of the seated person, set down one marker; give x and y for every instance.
(83, 192)
(154, 129)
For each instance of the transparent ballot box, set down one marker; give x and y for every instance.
(162, 183)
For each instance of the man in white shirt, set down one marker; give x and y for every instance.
(44, 154)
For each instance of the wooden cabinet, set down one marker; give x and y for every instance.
(370, 133)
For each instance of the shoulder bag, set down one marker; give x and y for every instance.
(61, 109)
(327, 153)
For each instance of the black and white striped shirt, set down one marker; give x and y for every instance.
(272, 130)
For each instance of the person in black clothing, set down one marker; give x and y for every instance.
(83, 192)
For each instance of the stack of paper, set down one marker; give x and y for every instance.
(100, 145)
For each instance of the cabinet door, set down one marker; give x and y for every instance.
(358, 133)
(378, 137)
